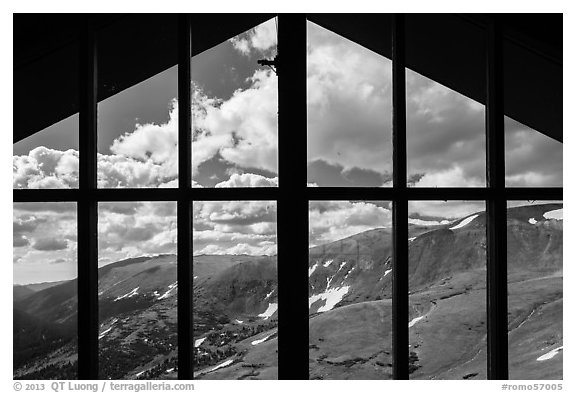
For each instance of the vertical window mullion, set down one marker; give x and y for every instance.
(400, 205)
(496, 301)
(184, 235)
(292, 209)
(87, 208)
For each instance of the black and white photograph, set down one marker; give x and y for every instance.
(288, 196)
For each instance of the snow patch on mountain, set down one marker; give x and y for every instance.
(239, 321)
(415, 321)
(128, 295)
(387, 272)
(269, 294)
(550, 354)
(224, 364)
(199, 342)
(411, 239)
(331, 297)
(256, 342)
(554, 214)
(464, 222)
(171, 287)
(272, 307)
(532, 221)
(105, 332)
(311, 269)
(328, 262)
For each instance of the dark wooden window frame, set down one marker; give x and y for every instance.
(292, 197)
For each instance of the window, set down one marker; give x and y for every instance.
(308, 266)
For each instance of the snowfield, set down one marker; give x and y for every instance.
(415, 321)
(464, 222)
(128, 295)
(332, 297)
(272, 307)
(311, 269)
(550, 354)
(199, 342)
(169, 291)
(226, 363)
(554, 214)
(256, 342)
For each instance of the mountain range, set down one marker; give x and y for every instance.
(350, 283)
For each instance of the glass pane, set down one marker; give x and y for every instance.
(445, 83)
(446, 140)
(535, 295)
(138, 111)
(349, 101)
(45, 339)
(532, 158)
(137, 290)
(49, 158)
(235, 290)
(447, 298)
(235, 112)
(350, 285)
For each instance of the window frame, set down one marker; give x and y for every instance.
(292, 197)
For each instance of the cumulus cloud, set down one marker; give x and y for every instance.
(259, 39)
(248, 180)
(45, 168)
(242, 129)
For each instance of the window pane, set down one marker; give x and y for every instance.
(350, 285)
(235, 290)
(49, 158)
(45, 95)
(447, 298)
(535, 295)
(45, 339)
(138, 108)
(532, 158)
(137, 290)
(445, 83)
(235, 112)
(446, 140)
(349, 101)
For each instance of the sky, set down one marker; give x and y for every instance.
(234, 108)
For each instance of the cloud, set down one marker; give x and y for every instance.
(331, 221)
(235, 227)
(452, 177)
(243, 129)
(439, 211)
(20, 241)
(151, 229)
(335, 175)
(248, 180)
(349, 103)
(532, 158)
(259, 39)
(50, 244)
(45, 168)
